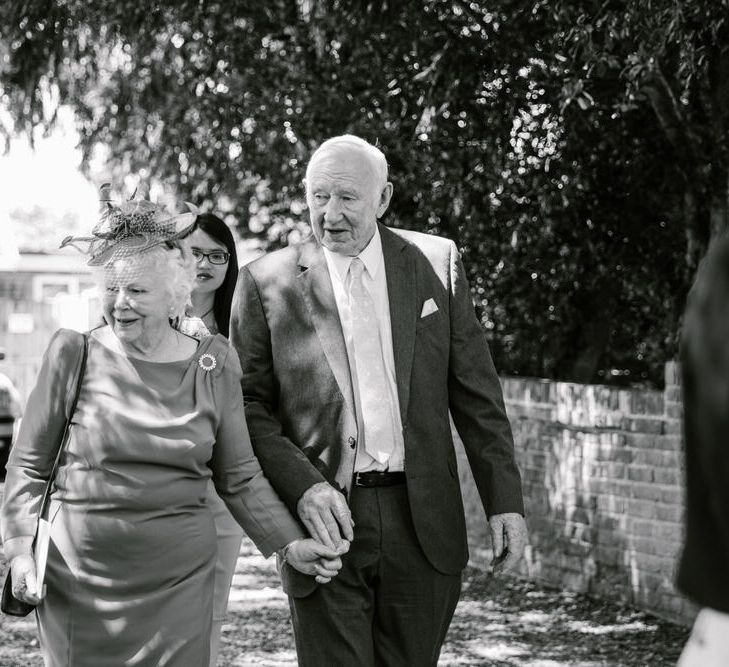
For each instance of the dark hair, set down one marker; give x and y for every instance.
(705, 337)
(215, 227)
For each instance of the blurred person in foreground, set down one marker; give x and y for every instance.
(10, 413)
(216, 271)
(703, 573)
(133, 543)
(355, 344)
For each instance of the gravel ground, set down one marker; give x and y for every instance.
(501, 623)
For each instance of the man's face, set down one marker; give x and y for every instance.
(344, 199)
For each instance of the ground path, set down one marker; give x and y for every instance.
(497, 624)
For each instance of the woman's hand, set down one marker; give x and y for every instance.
(315, 559)
(24, 579)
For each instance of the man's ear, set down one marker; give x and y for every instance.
(384, 201)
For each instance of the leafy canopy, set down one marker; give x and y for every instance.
(526, 131)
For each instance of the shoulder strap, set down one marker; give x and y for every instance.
(80, 370)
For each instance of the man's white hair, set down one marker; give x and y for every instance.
(375, 156)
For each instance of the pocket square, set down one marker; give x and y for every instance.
(428, 307)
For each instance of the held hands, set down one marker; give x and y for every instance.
(325, 513)
(312, 558)
(24, 579)
(508, 538)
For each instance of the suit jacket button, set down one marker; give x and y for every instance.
(352, 442)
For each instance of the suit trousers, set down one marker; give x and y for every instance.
(387, 606)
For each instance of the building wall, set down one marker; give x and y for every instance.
(602, 473)
(38, 295)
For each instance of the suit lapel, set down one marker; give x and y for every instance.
(401, 291)
(316, 289)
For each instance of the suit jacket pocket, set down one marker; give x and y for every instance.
(429, 320)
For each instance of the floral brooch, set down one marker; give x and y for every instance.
(207, 362)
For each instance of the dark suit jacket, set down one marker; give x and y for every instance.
(298, 390)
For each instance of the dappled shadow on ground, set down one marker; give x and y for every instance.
(512, 622)
(258, 630)
(498, 623)
(18, 642)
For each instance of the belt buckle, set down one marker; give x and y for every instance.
(367, 479)
(370, 479)
(358, 479)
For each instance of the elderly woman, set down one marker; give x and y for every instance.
(133, 544)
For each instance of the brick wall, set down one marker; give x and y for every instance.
(602, 473)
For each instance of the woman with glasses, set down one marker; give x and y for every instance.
(216, 272)
(213, 248)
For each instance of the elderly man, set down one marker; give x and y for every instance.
(355, 346)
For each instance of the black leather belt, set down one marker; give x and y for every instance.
(377, 478)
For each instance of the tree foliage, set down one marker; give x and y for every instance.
(673, 59)
(533, 133)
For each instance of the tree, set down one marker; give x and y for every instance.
(495, 134)
(673, 58)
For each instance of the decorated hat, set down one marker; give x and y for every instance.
(130, 228)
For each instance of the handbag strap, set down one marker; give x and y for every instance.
(81, 369)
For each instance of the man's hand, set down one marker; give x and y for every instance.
(508, 538)
(326, 515)
(311, 557)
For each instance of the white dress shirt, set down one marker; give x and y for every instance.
(375, 283)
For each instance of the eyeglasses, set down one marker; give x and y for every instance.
(215, 257)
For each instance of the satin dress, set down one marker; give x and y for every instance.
(131, 564)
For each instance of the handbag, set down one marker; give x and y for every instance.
(9, 604)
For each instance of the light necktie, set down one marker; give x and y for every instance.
(375, 404)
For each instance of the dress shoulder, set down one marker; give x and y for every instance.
(63, 353)
(65, 342)
(218, 356)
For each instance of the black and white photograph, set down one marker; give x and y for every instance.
(372, 333)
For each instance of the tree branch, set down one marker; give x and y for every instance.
(672, 122)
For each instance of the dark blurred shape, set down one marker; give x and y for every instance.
(704, 568)
(10, 412)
